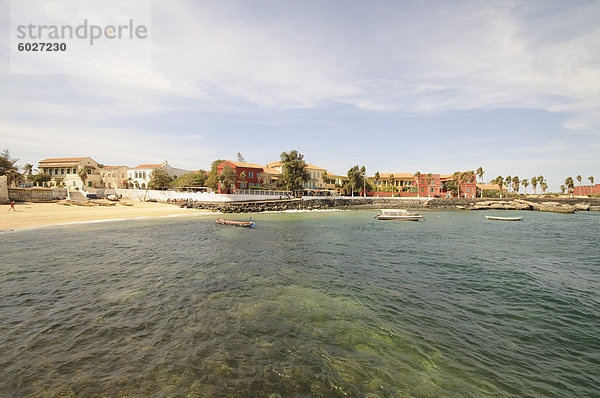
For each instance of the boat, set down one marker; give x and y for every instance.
(235, 223)
(394, 214)
(504, 218)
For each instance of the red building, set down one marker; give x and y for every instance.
(426, 185)
(585, 190)
(247, 175)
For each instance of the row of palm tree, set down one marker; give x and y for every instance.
(570, 184)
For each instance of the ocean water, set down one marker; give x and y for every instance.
(323, 304)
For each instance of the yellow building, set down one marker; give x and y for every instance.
(316, 175)
(399, 181)
(114, 176)
(65, 172)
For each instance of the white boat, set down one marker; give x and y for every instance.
(397, 214)
(504, 218)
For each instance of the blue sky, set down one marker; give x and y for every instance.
(399, 86)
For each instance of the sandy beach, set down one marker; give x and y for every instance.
(31, 215)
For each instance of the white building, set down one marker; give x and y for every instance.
(140, 175)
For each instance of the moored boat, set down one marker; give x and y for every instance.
(396, 214)
(504, 218)
(235, 223)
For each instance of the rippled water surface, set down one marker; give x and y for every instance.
(305, 304)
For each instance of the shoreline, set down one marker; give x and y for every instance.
(30, 215)
(558, 205)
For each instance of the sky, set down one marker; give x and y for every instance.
(396, 86)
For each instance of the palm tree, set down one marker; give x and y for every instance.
(363, 174)
(525, 183)
(579, 179)
(391, 182)
(515, 184)
(28, 169)
(500, 181)
(563, 189)
(428, 178)
(570, 184)
(242, 176)
(480, 172)
(544, 186)
(508, 180)
(534, 183)
(418, 176)
(377, 182)
(591, 178)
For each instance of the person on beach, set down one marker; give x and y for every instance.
(12, 206)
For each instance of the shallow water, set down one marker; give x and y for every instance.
(305, 304)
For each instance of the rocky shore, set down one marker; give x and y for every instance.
(556, 205)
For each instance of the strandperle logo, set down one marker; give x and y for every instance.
(85, 31)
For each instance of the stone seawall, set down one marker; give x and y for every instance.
(542, 204)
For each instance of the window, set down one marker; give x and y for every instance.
(144, 173)
(468, 189)
(62, 171)
(89, 184)
(74, 183)
(431, 189)
(55, 171)
(251, 174)
(422, 189)
(257, 176)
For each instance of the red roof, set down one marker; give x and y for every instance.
(149, 166)
(62, 160)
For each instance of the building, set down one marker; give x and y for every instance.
(393, 182)
(247, 175)
(315, 181)
(114, 176)
(584, 190)
(425, 185)
(65, 172)
(139, 176)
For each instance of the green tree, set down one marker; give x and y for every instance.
(212, 179)
(9, 168)
(227, 178)
(544, 186)
(508, 181)
(377, 178)
(516, 183)
(83, 175)
(160, 179)
(480, 172)
(240, 158)
(525, 184)
(456, 179)
(570, 185)
(391, 183)
(190, 180)
(563, 189)
(500, 181)
(294, 173)
(579, 180)
(40, 179)
(418, 177)
(534, 184)
(28, 169)
(591, 178)
(357, 178)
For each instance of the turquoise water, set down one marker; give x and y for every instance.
(306, 304)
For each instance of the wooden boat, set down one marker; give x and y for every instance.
(393, 214)
(235, 223)
(504, 218)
